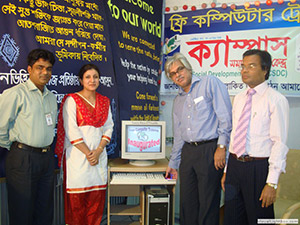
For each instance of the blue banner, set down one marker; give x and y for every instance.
(221, 20)
(110, 34)
(136, 42)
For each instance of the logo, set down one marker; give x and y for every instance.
(142, 136)
(171, 44)
(8, 50)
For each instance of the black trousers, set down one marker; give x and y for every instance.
(199, 185)
(30, 185)
(243, 186)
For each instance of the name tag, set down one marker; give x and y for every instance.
(49, 119)
(199, 99)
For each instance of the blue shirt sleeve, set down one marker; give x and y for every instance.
(175, 156)
(223, 110)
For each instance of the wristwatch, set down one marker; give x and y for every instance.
(221, 146)
(272, 185)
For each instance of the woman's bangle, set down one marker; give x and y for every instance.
(106, 138)
(101, 148)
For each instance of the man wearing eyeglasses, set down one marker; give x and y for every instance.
(201, 129)
(257, 151)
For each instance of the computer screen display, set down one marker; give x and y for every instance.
(143, 140)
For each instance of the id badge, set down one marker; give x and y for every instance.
(199, 99)
(49, 119)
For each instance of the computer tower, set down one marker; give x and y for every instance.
(157, 206)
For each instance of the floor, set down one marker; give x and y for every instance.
(126, 219)
(134, 218)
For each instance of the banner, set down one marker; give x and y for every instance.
(75, 31)
(214, 41)
(88, 31)
(135, 29)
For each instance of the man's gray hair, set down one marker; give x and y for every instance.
(177, 57)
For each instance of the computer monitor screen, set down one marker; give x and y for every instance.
(143, 141)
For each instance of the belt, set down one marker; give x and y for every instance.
(196, 143)
(247, 158)
(19, 145)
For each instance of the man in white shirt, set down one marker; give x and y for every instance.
(28, 114)
(257, 159)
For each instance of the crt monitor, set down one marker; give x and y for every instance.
(143, 141)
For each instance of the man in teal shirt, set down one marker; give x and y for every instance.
(28, 114)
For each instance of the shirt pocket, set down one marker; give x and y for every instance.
(260, 123)
(200, 103)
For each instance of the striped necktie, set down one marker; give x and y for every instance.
(239, 143)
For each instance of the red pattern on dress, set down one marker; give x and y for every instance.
(83, 208)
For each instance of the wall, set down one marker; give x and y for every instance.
(293, 138)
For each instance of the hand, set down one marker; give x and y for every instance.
(219, 158)
(268, 196)
(92, 161)
(93, 157)
(223, 181)
(173, 172)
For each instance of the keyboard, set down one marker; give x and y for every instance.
(141, 178)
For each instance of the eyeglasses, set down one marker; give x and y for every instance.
(179, 70)
(249, 67)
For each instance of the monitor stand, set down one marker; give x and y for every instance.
(142, 162)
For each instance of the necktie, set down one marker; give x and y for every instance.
(239, 143)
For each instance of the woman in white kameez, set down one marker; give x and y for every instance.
(85, 127)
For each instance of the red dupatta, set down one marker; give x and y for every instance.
(85, 115)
